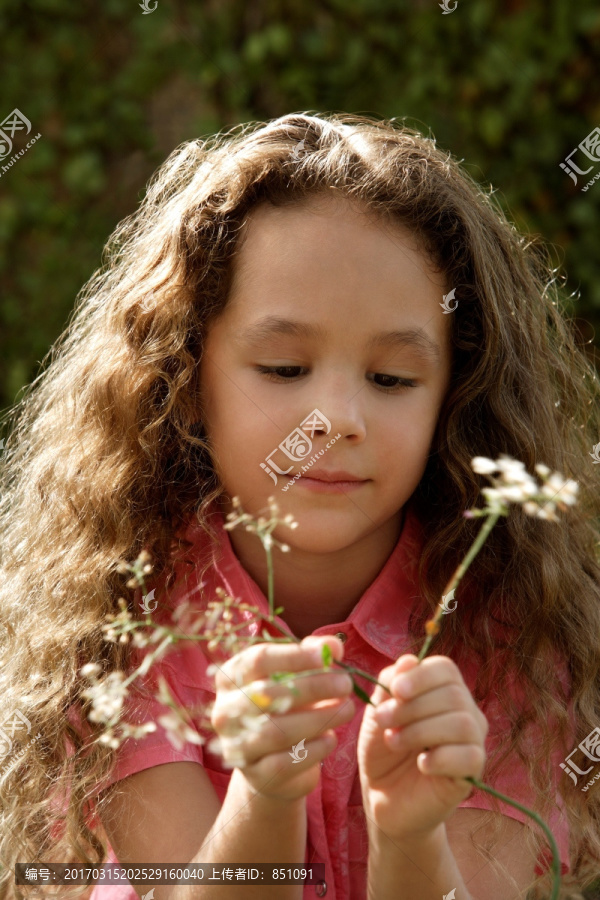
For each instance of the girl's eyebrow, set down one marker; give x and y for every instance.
(274, 326)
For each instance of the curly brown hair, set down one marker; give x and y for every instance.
(105, 456)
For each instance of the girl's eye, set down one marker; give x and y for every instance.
(281, 372)
(287, 373)
(393, 382)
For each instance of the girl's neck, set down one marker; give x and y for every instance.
(319, 589)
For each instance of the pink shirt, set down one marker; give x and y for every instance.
(375, 635)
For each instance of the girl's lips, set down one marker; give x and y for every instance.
(330, 487)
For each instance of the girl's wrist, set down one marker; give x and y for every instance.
(410, 842)
(266, 803)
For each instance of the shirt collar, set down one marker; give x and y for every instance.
(380, 616)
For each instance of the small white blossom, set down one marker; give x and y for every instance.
(515, 485)
(548, 512)
(512, 468)
(281, 704)
(530, 508)
(107, 697)
(233, 756)
(483, 466)
(491, 494)
(253, 722)
(178, 731)
(90, 669)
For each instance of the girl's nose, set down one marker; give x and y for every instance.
(346, 417)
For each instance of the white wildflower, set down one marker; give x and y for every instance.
(254, 722)
(531, 508)
(483, 466)
(233, 756)
(281, 704)
(515, 485)
(509, 467)
(107, 697)
(548, 512)
(492, 495)
(139, 731)
(90, 669)
(178, 731)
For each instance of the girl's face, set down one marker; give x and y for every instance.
(335, 312)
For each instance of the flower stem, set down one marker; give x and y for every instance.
(476, 546)
(434, 628)
(270, 591)
(532, 815)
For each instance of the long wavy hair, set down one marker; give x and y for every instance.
(106, 454)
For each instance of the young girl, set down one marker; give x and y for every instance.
(293, 279)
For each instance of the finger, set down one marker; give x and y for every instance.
(431, 673)
(262, 659)
(279, 697)
(385, 677)
(280, 733)
(398, 713)
(281, 763)
(454, 761)
(450, 728)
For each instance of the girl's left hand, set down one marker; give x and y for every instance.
(408, 792)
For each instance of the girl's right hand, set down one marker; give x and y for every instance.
(264, 752)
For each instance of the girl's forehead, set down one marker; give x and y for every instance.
(329, 230)
(336, 270)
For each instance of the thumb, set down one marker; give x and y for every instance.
(318, 641)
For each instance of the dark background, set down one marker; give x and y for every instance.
(509, 87)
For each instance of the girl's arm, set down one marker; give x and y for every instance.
(171, 814)
(415, 751)
(446, 860)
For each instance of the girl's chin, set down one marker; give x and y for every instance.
(319, 534)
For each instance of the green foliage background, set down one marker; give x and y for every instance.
(509, 87)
